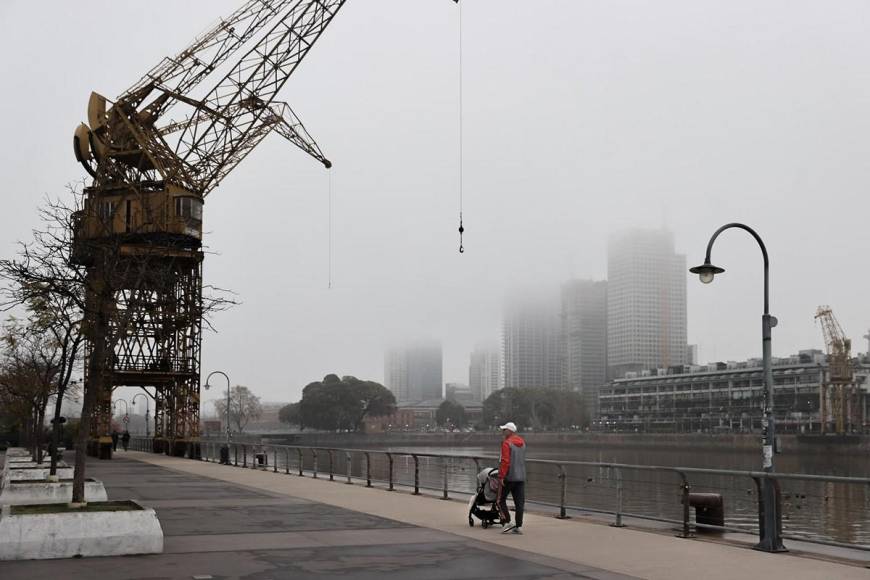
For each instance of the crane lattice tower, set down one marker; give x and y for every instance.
(139, 230)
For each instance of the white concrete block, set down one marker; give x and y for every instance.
(65, 535)
(33, 474)
(37, 492)
(17, 452)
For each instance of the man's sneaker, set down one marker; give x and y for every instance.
(517, 531)
(508, 527)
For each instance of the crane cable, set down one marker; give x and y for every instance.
(461, 228)
(329, 171)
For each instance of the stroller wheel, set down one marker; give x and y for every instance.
(470, 522)
(484, 524)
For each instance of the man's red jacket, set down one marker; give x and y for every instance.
(504, 464)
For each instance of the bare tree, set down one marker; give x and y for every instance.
(244, 407)
(47, 279)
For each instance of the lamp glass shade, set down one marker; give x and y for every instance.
(706, 272)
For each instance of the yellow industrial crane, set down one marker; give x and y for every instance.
(838, 391)
(154, 154)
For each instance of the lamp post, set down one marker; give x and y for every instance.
(226, 448)
(770, 534)
(126, 407)
(147, 413)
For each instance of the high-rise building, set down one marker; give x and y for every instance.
(584, 335)
(646, 303)
(531, 343)
(484, 372)
(413, 372)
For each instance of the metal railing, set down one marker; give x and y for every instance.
(809, 503)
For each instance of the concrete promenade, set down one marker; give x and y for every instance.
(228, 522)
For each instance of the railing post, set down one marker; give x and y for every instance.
(416, 474)
(236, 454)
(287, 461)
(390, 460)
(445, 466)
(301, 462)
(349, 466)
(563, 493)
(275, 459)
(684, 485)
(331, 459)
(619, 499)
(368, 469)
(314, 455)
(244, 455)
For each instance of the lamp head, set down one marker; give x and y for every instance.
(706, 272)
(206, 386)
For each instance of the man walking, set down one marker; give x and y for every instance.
(512, 477)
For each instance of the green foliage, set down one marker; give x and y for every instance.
(450, 412)
(536, 408)
(343, 403)
(291, 414)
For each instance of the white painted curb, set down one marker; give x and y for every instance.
(36, 492)
(49, 536)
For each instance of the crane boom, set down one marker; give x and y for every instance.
(209, 50)
(243, 96)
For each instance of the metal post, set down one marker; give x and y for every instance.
(275, 459)
(349, 466)
(368, 469)
(331, 478)
(685, 489)
(314, 460)
(445, 465)
(301, 462)
(390, 460)
(287, 461)
(563, 495)
(619, 500)
(236, 454)
(244, 455)
(416, 475)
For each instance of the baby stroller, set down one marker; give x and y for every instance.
(482, 505)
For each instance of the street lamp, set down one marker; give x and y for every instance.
(126, 407)
(770, 536)
(207, 386)
(147, 413)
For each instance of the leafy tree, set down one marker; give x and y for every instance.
(535, 407)
(291, 414)
(450, 413)
(343, 403)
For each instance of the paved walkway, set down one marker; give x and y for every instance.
(226, 522)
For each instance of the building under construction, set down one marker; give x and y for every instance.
(729, 397)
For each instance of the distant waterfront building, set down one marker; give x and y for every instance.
(692, 354)
(484, 372)
(725, 397)
(532, 350)
(414, 372)
(459, 393)
(584, 334)
(646, 303)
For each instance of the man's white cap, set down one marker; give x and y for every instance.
(509, 426)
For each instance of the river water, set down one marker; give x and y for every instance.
(833, 512)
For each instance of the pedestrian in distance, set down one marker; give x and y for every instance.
(114, 440)
(125, 439)
(512, 478)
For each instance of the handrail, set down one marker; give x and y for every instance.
(614, 471)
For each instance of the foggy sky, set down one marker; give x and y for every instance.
(582, 119)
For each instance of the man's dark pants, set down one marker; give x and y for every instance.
(517, 489)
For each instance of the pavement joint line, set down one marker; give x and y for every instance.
(652, 555)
